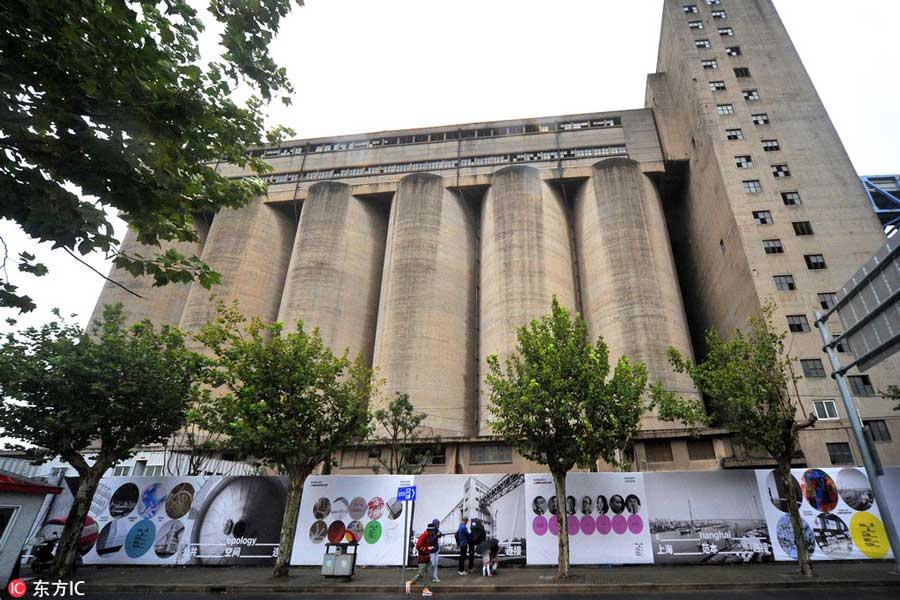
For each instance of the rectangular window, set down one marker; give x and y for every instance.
(762, 217)
(438, 457)
(725, 109)
(843, 345)
(743, 162)
(784, 283)
(153, 471)
(734, 134)
(7, 518)
(752, 186)
(879, 430)
(791, 198)
(658, 450)
(802, 227)
(760, 119)
(773, 246)
(695, 24)
(710, 64)
(733, 51)
(827, 300)
(716, 86)
(812, 367)
(719, 14)
(751, 95)
(771, 145)
(483, 455)
(701, 449)
(779, 171)
(713, 2)
(122, 471)
(690, 9)
(726, 31)
(58, 472)
(702, 44)
(861, 385)
(797, 323)
(825, 409)
(741, 72)
(815, 262)
(840, 453)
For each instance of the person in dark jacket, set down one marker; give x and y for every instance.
(476, 536)
(490, 553)
(462, 540)
(436, 548)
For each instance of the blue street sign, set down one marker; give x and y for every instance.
(406, 493)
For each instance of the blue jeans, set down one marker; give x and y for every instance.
(434, 564)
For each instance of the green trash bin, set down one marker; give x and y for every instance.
(340, 560)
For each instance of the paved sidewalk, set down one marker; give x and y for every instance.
(642, 578)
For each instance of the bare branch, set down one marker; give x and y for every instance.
(133, 293)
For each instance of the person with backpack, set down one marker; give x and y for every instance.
(436, 548)
(423, 550)
(462, 542)
(476, 536)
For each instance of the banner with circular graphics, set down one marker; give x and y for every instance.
(606, 516)
(839, 517)
(351, 508)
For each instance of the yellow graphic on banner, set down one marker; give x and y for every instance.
(869, 535)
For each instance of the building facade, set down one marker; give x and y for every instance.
(424, 249)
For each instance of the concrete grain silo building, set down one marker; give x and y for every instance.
(424, 249)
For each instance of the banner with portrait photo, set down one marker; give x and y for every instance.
(496, 500)
(606, 519)
(839, 516)
(706, 517)
(351, 508)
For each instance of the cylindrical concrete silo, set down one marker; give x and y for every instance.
(160, 304)
(426, 318)
(334, 279)
(630, 290)
(250, 248)
(526, 259)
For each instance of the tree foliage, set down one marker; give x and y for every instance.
(892, 393)
(398, 431)
(92, 399)
(747, 381)
(283, 400)
(110, 98)
(556, 403)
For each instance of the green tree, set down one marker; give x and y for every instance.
(892, 393)
(747, 381)
(397, 430)
(111, 99)
(92, 399)
(284, 401)
(556, 404)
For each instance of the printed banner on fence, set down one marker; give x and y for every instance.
(838, 513)
(706, 517)
(182, 520)
(351, 508)
(606, 519)
(496, 500)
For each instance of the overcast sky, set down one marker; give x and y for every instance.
(371, 65)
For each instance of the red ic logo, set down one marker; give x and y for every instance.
(17, 588)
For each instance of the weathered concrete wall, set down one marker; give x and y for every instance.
(334, 278)
(250, 248)
(526, 259)
(163, 304)
(426, 319)
(629, 288)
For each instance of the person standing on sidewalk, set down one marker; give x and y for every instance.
(462, 541)
(423, 550)
(436, 548)
(476, 536)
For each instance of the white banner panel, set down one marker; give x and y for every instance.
(341, 508)
(607, 519)
(837, 509)
(498, 500)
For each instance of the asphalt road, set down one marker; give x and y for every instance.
(880, 593)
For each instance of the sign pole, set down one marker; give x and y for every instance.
(861, 441)
(405, 540)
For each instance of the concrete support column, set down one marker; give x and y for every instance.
(250, 248)
(424, 345)
(525, 259)
(160, 304)
(334, 277)
(630, 290)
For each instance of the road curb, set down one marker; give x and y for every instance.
(563, 588)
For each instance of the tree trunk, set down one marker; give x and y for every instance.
(67, 548)
(784, 471)
(559, 480)
(289, 525)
